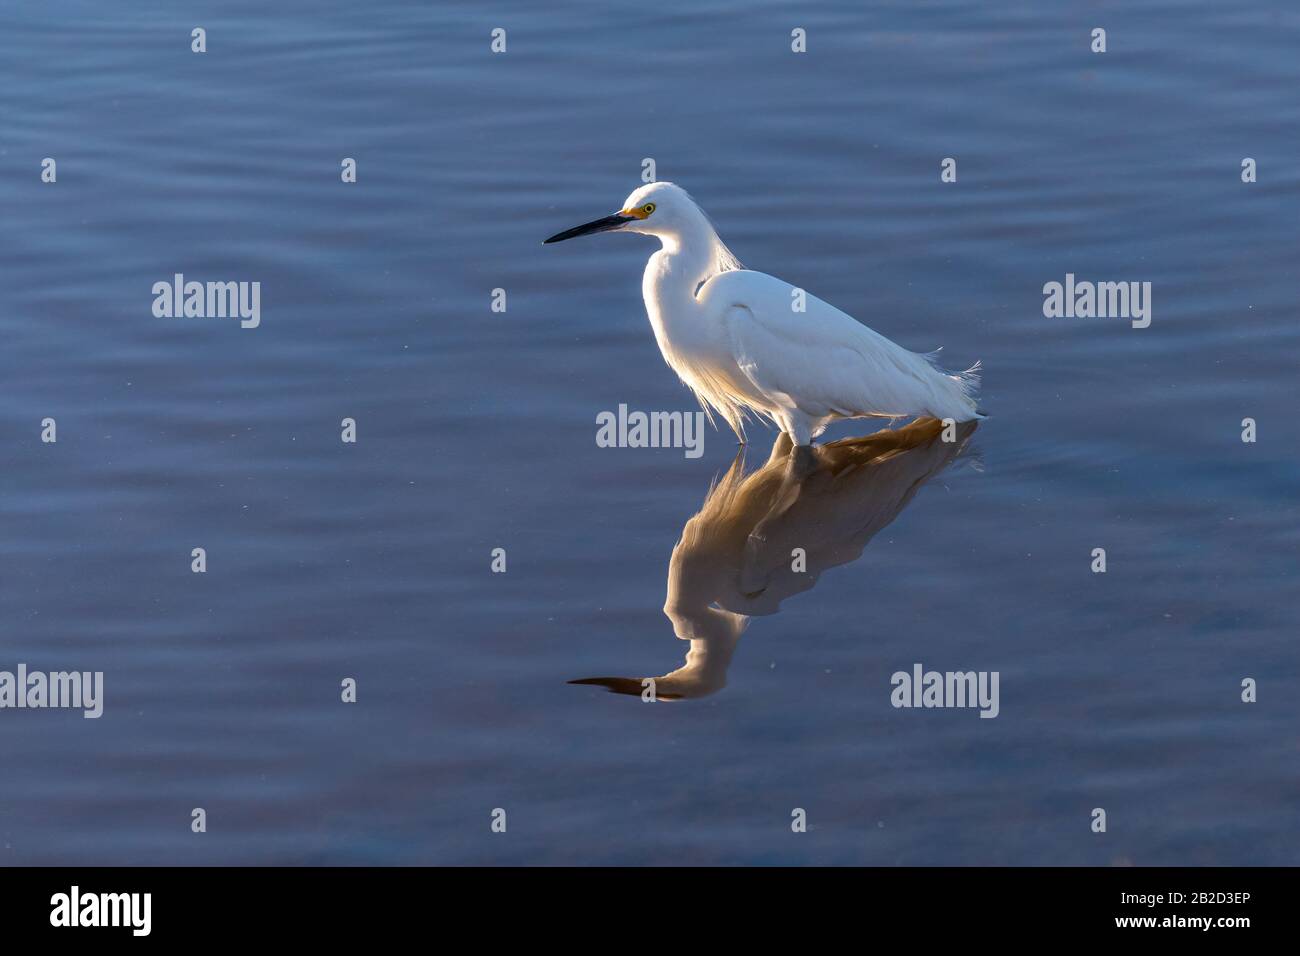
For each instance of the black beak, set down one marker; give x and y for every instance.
(632, 686)
(590, 228)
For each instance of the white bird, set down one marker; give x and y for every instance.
(737, 340)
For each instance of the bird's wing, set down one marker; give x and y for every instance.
(821, 360)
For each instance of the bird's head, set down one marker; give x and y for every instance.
(656, 209)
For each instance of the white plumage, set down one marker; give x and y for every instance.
(736, 339)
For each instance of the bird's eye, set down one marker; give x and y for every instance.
(649, 208)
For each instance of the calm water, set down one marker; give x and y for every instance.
(476, 431)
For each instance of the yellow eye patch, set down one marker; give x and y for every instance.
(640, 212)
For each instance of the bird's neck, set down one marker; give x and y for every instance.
(705, 670)
(675, 272)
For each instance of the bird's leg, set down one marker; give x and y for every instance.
(801, 463)
(795, 440)
(797, 425)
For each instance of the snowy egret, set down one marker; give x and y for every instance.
(739, 341)
(733, 561)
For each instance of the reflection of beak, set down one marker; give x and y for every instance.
(591, 228)
(632, 686)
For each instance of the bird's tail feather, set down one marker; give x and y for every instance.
(969, 381)
(965, 385)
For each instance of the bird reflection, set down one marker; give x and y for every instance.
(761, 538)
